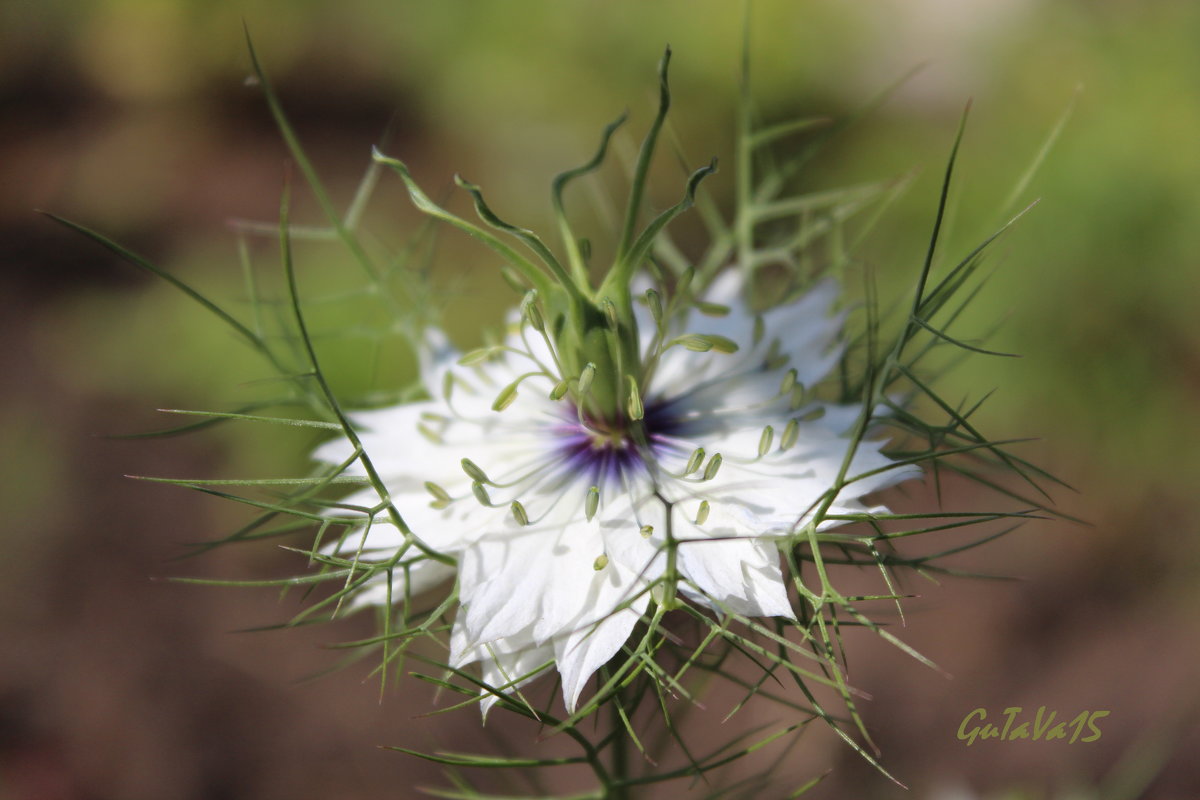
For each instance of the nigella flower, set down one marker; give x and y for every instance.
(564, 519)
(622, 453)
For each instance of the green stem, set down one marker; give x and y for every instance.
(618, 788)
(638, 188)
(744, 168)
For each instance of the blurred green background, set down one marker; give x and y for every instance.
(134, 117)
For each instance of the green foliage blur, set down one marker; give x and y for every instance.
(134, 117)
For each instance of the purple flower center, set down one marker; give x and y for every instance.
(604, 450)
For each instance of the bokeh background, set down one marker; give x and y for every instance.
(134, 117)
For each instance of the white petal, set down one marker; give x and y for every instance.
(422, 576)
(435, 357)
(624, 515)
(565, 596)
(378, 542)
(601, 631)
(444, 530)
(806, 331)
(501, 582)
(535, 578)
(389, 436)
(509, 664)
(769, 494)
(742, 575)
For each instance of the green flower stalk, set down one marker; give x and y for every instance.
(586, 325)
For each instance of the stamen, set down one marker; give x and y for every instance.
(506, 397)
(684, 283)
(636, 410)
(775, 359)
(585, 378)
(790, 434)
(481, 494)
(712, 309)
(814, 415)
(474, 472)
(429, 433)
(480, 355)
(610, 312)
(765, 441)
(789, 382)
(441, 496)
(703, 342)
(532, 312)
(714, 465)
(654, 300)
(592, 503)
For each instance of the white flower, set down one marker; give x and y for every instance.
(564, 576)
